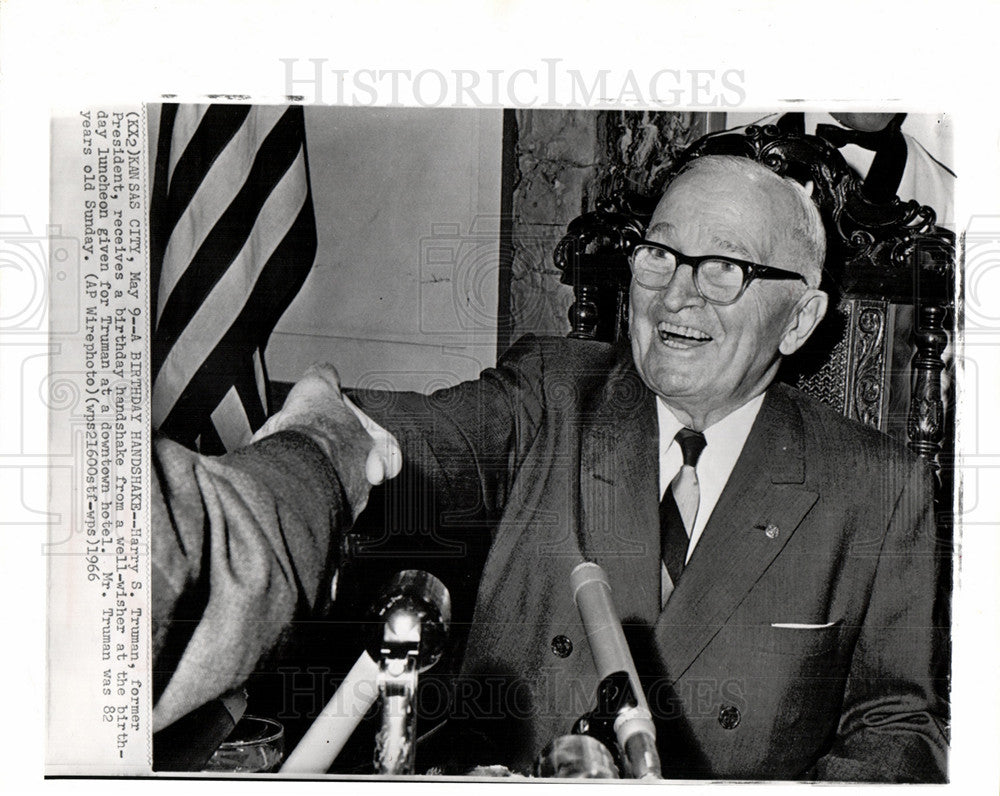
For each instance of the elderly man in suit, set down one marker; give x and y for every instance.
(774, 564)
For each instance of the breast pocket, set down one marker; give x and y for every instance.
(799, 639)
(791, 677)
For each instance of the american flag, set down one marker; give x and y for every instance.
(233, 236)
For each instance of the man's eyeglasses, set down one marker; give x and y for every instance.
(718, 280)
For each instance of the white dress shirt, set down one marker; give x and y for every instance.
(724, 442)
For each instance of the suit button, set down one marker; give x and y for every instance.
(562, 646)
(729, 717)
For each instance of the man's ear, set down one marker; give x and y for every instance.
(811, 309)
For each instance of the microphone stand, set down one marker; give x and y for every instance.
(413, 615)
(415, 624)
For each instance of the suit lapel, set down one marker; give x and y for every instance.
(760, 508)
(619, 487)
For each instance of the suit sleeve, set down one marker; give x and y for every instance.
(240, 545)
(462, 445)
(245, 543)
(893, 723)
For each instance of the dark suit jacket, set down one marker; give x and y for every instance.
(823, 524)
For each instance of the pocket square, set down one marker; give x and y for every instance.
(800, 626)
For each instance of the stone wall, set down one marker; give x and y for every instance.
(556, 157)
(637, 149)
(565, 160)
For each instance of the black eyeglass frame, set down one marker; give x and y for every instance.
(751, 271)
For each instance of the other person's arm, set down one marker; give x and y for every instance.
(244, 542)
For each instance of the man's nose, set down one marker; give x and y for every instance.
(680, 291)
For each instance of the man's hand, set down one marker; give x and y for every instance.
(363, 453)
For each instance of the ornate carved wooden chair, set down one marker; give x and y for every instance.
(877, 357)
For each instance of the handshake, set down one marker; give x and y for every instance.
(363, 453)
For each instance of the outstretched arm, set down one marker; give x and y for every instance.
(244, 542)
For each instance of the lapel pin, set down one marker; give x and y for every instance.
(770, 530)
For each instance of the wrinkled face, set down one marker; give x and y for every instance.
(701, 358)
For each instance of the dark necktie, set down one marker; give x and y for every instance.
(679, 506)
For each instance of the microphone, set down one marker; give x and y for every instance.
(415, 614)
(633, 725)
(408, 635)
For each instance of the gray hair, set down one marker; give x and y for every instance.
(804, 233)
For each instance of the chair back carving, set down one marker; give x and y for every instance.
(889, 269)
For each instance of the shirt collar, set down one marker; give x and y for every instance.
(728, 434)
(724, 444)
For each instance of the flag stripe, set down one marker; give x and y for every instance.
(210, 323)
(260, 378)
(220, 186)
(159, 230)
(246, 388)
(230, 421)
(185, 126)
(232, 239)
(277, 285)
(218, 126)
(277, 154)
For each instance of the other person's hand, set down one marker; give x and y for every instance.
(363, 453)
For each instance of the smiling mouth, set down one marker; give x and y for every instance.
(676, 336)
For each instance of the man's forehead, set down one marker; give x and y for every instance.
(721, 243)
